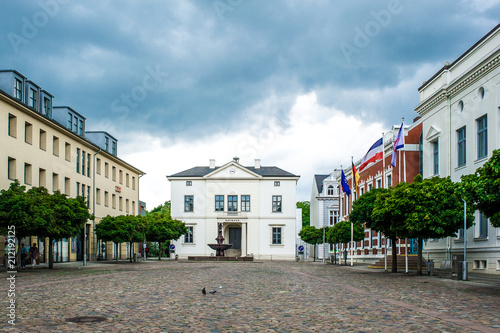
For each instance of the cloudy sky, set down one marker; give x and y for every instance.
(302, 85)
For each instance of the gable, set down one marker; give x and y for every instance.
(432, 133)
(232, 170)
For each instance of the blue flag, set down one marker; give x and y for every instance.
(345, 186)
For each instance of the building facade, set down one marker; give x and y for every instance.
(460, 106)
(256, 206)
(43, 145)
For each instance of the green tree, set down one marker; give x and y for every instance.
(306, 212)
(362, 212)
(482, 189)
(162, 228)
(163, 209)
(121, 229)
(340, 233)
(312, 235)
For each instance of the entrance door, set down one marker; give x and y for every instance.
(235, 238)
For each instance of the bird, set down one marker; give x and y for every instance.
(212, 291)
(204, 291)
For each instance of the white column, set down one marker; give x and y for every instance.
(243, 239)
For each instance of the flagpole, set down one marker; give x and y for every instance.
(352, 202)
(404, 178)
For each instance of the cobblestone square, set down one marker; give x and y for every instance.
(269, 296)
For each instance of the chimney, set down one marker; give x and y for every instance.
(212, 164)
(236, 160)
(257, 163)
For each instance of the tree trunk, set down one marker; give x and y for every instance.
(130, 252)
(314, 257)
(394, 255)
(117, 254)
(51, 254)
(159, 250)
(419, 264)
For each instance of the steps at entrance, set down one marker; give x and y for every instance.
(412, 262)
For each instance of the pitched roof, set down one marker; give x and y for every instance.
(319, 182)
(263, 171)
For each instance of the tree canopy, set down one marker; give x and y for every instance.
(312, 235)
(306, 212)
(482, 189)
(341, 233)
(162, 228)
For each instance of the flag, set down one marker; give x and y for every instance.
(355, 177)
(399, 143)
(345, 186)
(375, 153)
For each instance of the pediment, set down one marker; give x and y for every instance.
(232, 170)
(432, 133)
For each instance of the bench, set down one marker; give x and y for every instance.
(444, 269)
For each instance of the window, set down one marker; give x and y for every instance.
(77, 160)
(188, 203)
(32, 98)
(28, 133)
(334, 217)
(83, 162)
(379, 183)
(113, 201)
(42, 178)
(12, 126)
(460, 233)
(43, 140)
(480, 93)
(106, 169)
(482, 137)
(46, 107)
(88, 196)
(330, 190)
(133, 182)
(98, 166)
(189, 183)
(219, 203)
(27, 174)
(460, 106)
(370, 186)
(127, 205)
(189, 236)
(389, 182)
(75, 124)
(106, 198)
(342, 207)
(80, 127)
(232, 203)
(98, 196)
(67, 152)
(483, 226)
(113, 148)
(18, 90)
(276, 183)
(55, 182)
(245, 203)
(11, 168)
(106, 143)
(120, 203)
(70, 121)
(88, 165)
(133, 207)
(461, 136)
(127, 180)
(67, 186)
(276, 235)
(77, 188)
(113, 173)
(435, 157)
(120, 177)
(276, 203)
(55, 145)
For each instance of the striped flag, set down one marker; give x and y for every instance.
(355, 177)
(399, 143)
(374, 154)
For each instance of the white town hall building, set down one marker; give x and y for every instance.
(256, 206)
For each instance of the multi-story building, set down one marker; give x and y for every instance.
(460, 107)
(330, 200)
(42, 145)
(325, 208)
(256, 206)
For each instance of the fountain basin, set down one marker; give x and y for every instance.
(220, 248)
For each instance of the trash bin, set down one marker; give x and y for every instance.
(456, 266)
(430, 267)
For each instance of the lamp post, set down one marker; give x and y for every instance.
(464, 263)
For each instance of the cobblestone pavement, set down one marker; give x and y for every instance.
(250, 297)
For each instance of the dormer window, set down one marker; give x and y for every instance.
(75, 124)
(330, 190)
(33, 98)
(113, 148)
(46, 107)
(18, 89)
(70, 121)
(106, 143)
(80, 128)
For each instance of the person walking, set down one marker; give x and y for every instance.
(24, 254)
(33, 255)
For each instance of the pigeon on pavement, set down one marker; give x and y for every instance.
(204, 291)
(212, 291)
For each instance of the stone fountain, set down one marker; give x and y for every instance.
(220, 247)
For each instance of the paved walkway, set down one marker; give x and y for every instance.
(265, 296)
